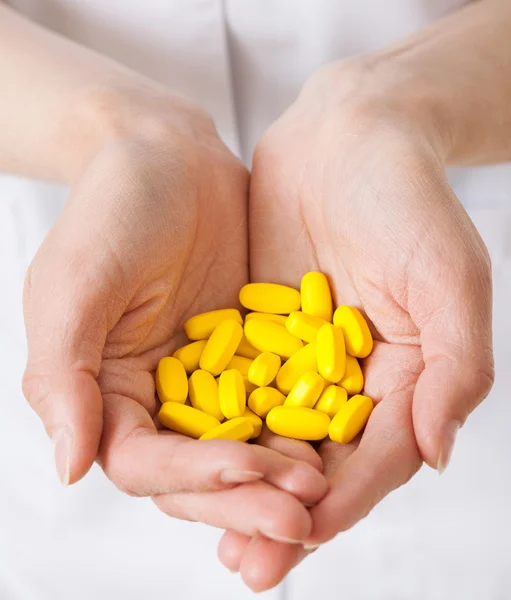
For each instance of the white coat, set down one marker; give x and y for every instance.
(437, 538)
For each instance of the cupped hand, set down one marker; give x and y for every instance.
(155, 230)
(351, 183)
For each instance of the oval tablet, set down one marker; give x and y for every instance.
(331, 400)
(190, 355)
(306, 390)
(186, 419)
(246, 349)
(257, 422)
(304, 326)
(203, 390)
(171, 380)
(358, 338)
(304, 360)
(200, 327)
(264, 369)
(316, 297)
(280, 319)
(221, 346)
(351, 419)
(353, 378)
(298, 423)
(271, 337)
(240, 429)
(241, 364)
(263, 399)
(231, 394)
(331, 352)
(270, 298)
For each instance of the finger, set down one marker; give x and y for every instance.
(231, 548)
(456, 342)
(144, 462)
(299, 478)
(65, 335)
(250, 508)
(386, 458)
(265, 562)
(296, 449)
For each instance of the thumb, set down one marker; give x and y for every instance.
(456, 342)
(65, 337)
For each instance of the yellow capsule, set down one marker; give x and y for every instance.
(186, 419)
(358, 338)
(270, 298)
(232, 394)
(246, 349)
(200, 327)
(203, 389)
(264, 369)
(316, 296)
(306, 390)
(351, 419)
(263, 399)
(353, 379)
(304, 326)
(221, 346)
(298, 423)
(240, 429)
(271, 337)
(303, 361)
(257, 422)
(171, 380)
(331, 400)
(331, 352)
(280, 319)
(241, 364)
(190, 355)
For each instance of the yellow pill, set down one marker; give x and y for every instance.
(303, 361)
(240, 429)
(171, 380)
(316, 296)
(358, 338)
(353, 379)
(232, 394)
(306, 390)
(331, 400)
(186, 419)
(264, 369)
(304, 326)
(331, 352)
(270, 298)
(351, 419)
(271, 337)
(263, 399)
(190, 355)
(298, 423)
(257, 422)
(221, 346)
(280, 319)
(203, 389)
(200, 327)
(246, 349)
(249, 386)
(241, 364)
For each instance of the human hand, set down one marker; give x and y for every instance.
(153, 232)
(351, 182)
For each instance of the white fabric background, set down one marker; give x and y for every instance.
(438, 537)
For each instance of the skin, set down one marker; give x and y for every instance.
(356, 171)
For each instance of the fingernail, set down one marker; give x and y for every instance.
(448, 440)
(238, 476)
(281, 538)
(62, 442)
(310, 549)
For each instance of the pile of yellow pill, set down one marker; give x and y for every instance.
(291, 361)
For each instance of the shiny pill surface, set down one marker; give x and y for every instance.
(306, 390)
(186, 419)
(351, 419)
(200, 327)
(331, 400)
(268, 336)
(231, 394)
(263, 399)
(304, 360)
(221, 346)
(331, 352)
(190, 355)
(316, 297)
(171, 380)
(304, 326)
(240, 429)
(298, 423)
(270, 298)
(358, 338)
(264, 369)
(203, 390)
